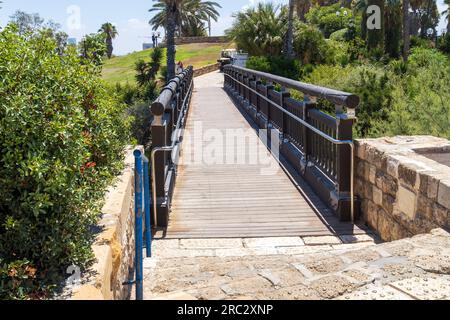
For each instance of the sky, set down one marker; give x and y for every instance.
(80, 17)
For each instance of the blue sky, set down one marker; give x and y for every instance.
(131, 17)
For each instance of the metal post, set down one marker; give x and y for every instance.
(138, 225)
(148, 223)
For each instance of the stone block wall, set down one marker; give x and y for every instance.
(206, 69)
(114, 248)
(189, 40)
(402, 192)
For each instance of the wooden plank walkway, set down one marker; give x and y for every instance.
(239, 200)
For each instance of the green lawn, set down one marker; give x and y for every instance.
(121, 69)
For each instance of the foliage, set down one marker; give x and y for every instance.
(329, 19)
(421, 102)
(278, 65)
(62, 135)
(109, 32)
(93, 48)
(444, 43)
(259, 30)
(371, 84)
(310, 45)
(147, 71)
(191, 16)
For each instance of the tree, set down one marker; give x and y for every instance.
(302, 7)
(289, 50)
(93, 48)
(259, 30)
(393, 27)
(406, 30)
(446, 13)
(375, 37)
(147, 71)
(26, 22)
(110, 33)
(191, 16)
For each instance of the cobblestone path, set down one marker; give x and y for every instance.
(307, 268)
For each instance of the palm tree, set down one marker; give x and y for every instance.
(110, 33)
(289, 50)
(302, 7)
(447, 14)
(259, 30)
(189, 16)
(406, 30)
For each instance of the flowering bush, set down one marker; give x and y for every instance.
(62, 135)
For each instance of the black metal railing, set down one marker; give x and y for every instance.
(319, 146)
(170, 112)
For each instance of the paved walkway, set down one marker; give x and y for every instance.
(300, 269)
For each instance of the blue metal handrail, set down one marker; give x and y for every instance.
(142, 212)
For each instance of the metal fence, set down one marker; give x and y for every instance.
(170, 113)
(319, 146)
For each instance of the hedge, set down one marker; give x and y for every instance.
(62, 136)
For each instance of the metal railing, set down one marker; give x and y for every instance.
(142, 217)
(170, 112)
(313, 142)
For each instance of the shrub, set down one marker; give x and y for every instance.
(280, 66)
(370, 83)
(310, 45)
(444, 43)
(62, 135)
(326, 19)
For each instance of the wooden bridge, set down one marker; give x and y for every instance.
(249, 154)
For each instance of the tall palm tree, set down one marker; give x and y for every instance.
(446, 13)
(289, 48)
(190, 15)
(173, 15)
(110, 32)
(302, 7)
(406, 30)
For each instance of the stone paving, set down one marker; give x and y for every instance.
(310, 268)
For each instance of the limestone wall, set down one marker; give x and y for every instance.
(403, 193)
(206, 69)
(114, 248)
(188, 40)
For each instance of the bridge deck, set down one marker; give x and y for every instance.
(214, 200)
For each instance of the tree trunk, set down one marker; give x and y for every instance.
(109, 47)
(209, 25)
(448, 19)
(406, 36)
(289, 52)
(303, 7)
(171, 26)
(375, 37)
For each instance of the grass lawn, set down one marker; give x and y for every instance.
(121, 69)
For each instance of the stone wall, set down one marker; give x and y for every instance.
(114, 248)
(189, 40)
(403, 192)
(206, 69)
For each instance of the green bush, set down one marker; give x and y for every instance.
(310, 45)
(62, 135)
(370, 83)
(444, 43)
(280, 66)
(327, 19)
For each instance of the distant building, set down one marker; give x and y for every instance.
(72, 41)
(146, 46)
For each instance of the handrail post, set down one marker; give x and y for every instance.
(159, 139)
(343, 185)
(284, 95)
(306, 133)
(139, 264)
(147, 197)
